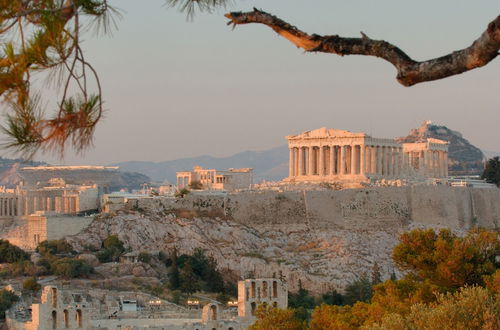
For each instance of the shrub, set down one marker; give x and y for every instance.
(181, 193)
(31, 284)
(113, 249)
(55, 247)
(70, 268)
(144, 257)
(113, 242)
(10, 253)
(7, 299)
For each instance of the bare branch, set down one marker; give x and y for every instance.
(410, 72)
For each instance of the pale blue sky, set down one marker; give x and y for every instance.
(178, 89)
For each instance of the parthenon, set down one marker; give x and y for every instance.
(332, 155)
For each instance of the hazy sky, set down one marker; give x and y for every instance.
(179, 89)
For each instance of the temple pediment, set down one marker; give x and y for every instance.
(324, 132)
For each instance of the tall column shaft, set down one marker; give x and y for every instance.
(353, 160)
(291, 164)
(362, 159)
(389, 161)
(445, 164)
(321, 169)
(310, 170)
(435, 156)
(378, 160)
(342, 160)
(301, 161)
(373, 159)
(332, 160)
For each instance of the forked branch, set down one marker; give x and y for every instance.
(410, 72)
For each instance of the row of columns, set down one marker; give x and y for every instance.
(8, 207)
(433, 163)
(345, 160)
(58, 204)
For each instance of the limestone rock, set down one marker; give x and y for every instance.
(327, 239)
(35, 257)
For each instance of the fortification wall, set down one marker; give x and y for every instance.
(371, 208)
(326, 239)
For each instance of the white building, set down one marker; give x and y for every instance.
(211, 179)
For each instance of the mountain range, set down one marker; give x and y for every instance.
(271, 164)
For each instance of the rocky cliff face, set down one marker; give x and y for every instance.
(463, 157)
(326, 239)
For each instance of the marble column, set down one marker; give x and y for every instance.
(376, 156)
(384, 161)
(445, 164)
(291, 163)
(321, 168)
(301, 161)
(373, 160)
(362, 161)
(342, 160)
(310, 170)
(367, 159)
(390, 159)
(353, 159)
(436, 164)
(424, 163)
(332, 160)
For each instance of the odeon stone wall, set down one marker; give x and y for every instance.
(28, 231)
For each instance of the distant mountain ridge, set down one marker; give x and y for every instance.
(270, 164)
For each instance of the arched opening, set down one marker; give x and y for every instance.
(54, 320)
(253, 308)
(66, 318)
(264, 289)
(54, 297)
(230, 328)
(275, 289)
(213, 312)
(275, 304)
(79, 318)
(252, 290)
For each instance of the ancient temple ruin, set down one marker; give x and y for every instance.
(332, 155)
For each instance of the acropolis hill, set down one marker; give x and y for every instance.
(306, 228)
(325, 238)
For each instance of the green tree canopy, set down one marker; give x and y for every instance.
(7, 299)
(446, 259)
(55, 247)
(491, 171)
(10, 253)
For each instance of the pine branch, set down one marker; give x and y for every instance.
(410, 72)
